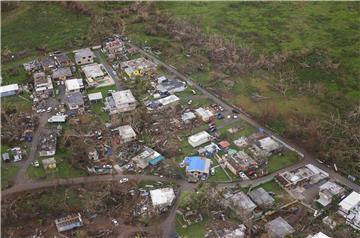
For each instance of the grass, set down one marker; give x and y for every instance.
(22, 103)
(195, 230)
(8, 174)
(281, 161)
(104, 90)
(44, 25)
(64, 169)
(98, 109)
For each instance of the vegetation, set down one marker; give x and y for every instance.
(194, 230)
(281, 196)
(8, 174)
(281, 161)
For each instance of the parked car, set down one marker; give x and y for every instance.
(49, 109)
(237, 111)
(220, 116)
(114, 222)
(189, 102)
(193, 91)
(36, 163)
(124, 180)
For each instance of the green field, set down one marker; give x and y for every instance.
(195, 230)
(281, 196)
(8, 173)
(281, 161)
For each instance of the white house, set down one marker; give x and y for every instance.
(349, 203)
(199, 139)
(121, 101)
(74, 85)
(9, 90)
(162, 197)
(204, 114)
(126, 133)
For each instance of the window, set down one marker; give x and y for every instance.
(89, 56)
(84, 57)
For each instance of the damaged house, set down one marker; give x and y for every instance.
(62, 60)
(95, 75)
(163, 103)
(74, 102)
(47, 146)
(241, 204)
(262, 198)
(69, 222)
(42, 84)
(279, 228)
(61, 74)
(84, 56)
(48, 63)
(269, 145)
(126, 133)
(137, 67)
(170, 85)
(239, 162)
(327, 191)
(147, 157)
(205, 114)
(162, 198)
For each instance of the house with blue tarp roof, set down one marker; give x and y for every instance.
(197, 166)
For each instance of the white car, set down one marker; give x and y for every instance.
(189, 102)
(194, 92)
(49, 109)
(114, 222)
(124, 180)
(36, 163)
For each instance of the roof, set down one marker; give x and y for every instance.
(332, 187)
(68, 222)
(199, 138)
(204, 113)
(61, 72)
(61, 58)
(188, 116)
(74, 98)
(83, 53)
(261, 197)
(170, 85)
(319, 235)
(224, 144)
(126, 131)
(123, 97)
(95, 96)
(57, 118)
(72, 84)
(40, 78)
(167, 100)
(197, 163)
(350, 201)
(241, 201)
(6, 156)
(162, 196)
(93, 70)
(156, 160)
(279, 227)
(10, 87)
(269, 144)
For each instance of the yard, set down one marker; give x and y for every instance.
(281, 196)
(195, 230)
(281, 161)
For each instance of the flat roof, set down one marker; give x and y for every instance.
(95, 96)
(123, 97)
(162, 196)
(72, 84)
(350, 201)
(92, 70)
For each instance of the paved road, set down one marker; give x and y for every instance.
(307, 156)
(109, 70)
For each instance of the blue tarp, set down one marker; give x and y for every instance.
(156, 160)
(195, 163)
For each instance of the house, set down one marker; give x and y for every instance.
(148, 156)
(279, 228)
(120, 101)
(187, 117)
(348, 203)
(306, 174)
(6, 157)
(239, 162)
(95, 75)
(126, 133)
(61, 73)
(43, 84)
(74, 101)
(209, 150)
(17, 153)
(270, 145)
(84, 56)
(205, 114)
(199, 139)
(48, 63)
(49, 163)
(74, 85)
(47, 145)
(137, 67)
(241, 204)
(114, 46)
(94, 97)
(197, 167)
(241, 142)
(62, 60)
(163, 103)
(318, 235)
(162, 198)
(9, 90)
(69, 222)
(236, 233)
(170, 85)
(262, 198)
(327, 191)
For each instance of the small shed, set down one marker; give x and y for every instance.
(95, 97)
(6, 157)
(262, 198)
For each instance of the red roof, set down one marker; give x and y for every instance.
(224, 144)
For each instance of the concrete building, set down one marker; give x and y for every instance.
(349, 208)
(120, 101)
(74, 101)
(270, 145)
(327, 191)
(262, 198)
(239, 162)
(43, 84)
(69, 222)
(197, 167)
(96, 76)
(126, 133)
(47, 144)
(61, 73)
(279, 228)
(147, 157)
(199, 139)
(163, 103)
(74, 85)
(9, 90)
(62, 60)
(57, 119)
(307, 174)
(48, 63)
(84, 56)
(241, 204)
(114, 46)
(205, 114)
(137, 67)
(162, 198)
(49, 163)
